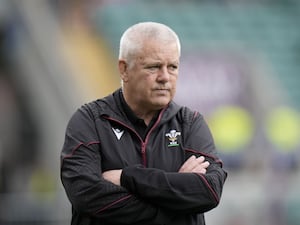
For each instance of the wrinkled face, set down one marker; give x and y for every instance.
(150, 83)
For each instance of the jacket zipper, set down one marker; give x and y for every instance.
(143, 143)
(144, 158)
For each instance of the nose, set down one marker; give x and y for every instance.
(163, 74)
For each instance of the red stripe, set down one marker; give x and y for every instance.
(209, 187)
(195, 114)
(113, 203)
(217, 160)
(76, 147)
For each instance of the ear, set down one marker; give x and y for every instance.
(123, 69)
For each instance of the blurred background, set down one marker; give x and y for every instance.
(240, 67)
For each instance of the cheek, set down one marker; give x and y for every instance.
(174, 86)
(143, 85)
(148, 81)
(173, 82)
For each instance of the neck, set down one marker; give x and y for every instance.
(139, 110)
(147, 117)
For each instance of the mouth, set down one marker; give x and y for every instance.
(162, 91)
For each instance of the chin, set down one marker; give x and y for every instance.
(161, 101)
(161, 104)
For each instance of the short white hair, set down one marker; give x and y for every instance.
(132, 39)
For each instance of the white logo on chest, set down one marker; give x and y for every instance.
(173, 136)
(118, 132)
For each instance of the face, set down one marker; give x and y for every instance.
(150, 83)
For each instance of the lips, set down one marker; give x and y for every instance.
(161, 89)
(162, 92)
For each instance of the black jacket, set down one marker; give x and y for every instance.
(99, 137)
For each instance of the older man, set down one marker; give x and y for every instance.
(135, 156)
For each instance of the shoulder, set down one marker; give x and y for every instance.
(88, 111)
(188, 115)
(96, 108)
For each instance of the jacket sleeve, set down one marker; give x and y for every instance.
(182, 192)
(85, 187)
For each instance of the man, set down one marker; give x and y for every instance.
(136, 157)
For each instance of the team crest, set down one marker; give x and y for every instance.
(172, 136)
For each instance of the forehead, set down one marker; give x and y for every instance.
(159, 51)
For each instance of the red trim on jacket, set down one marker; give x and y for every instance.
(113, 203)
(76, 147)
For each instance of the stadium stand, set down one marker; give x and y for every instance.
(270, 30)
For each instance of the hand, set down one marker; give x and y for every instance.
(113, 176)
(194, 165)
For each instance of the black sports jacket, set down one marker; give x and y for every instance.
(99, 137)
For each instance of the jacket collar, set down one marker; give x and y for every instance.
(112, 106)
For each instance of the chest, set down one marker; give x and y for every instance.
(122, 146)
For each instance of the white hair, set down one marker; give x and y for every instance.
(132, 39)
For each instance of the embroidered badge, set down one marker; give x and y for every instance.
(118, 132)
(172, 136)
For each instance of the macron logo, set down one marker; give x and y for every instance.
(118, 132)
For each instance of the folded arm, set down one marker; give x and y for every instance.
(195, 188)
(191, 189)
(88, 192)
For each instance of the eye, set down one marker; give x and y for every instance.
(173, 67)
(153, 67)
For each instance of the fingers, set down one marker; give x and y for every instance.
(194, 165)
(191, 163)
(113, 176)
